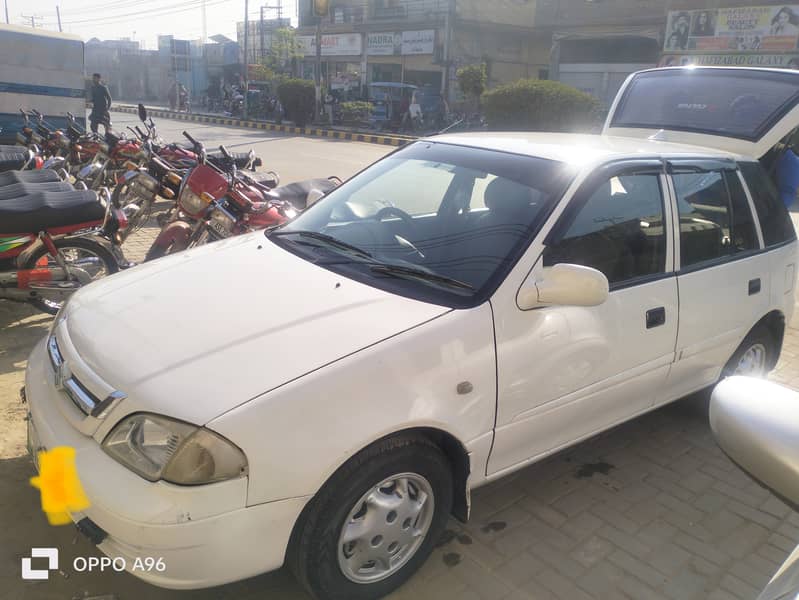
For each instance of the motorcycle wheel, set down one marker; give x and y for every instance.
(90, 255)
(125, 194)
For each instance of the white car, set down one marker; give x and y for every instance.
(328, 393)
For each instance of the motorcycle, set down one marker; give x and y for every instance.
(215, 204)
(55, 241)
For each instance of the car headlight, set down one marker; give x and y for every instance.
(157, 447)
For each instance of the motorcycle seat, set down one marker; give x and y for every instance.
(14, 159)
(46, 210)
(297, 193)
(16, 190)
(242, 159)
(38, 176)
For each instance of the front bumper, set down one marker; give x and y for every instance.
(205, 535)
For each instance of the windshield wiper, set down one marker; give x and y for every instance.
(411, 273)
(329, 240)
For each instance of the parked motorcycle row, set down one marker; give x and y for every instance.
(69, 200)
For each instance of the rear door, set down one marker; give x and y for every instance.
(724, 277)
(745, 111)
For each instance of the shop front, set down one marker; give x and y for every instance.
(752, 36)
(403, 57)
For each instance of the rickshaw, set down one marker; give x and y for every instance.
(386, 99)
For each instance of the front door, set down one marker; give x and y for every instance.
(565, 372)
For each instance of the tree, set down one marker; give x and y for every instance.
(472, 81)
(284, 50)
(536, 105)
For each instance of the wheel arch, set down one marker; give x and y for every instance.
(449, 445)
(774, 322)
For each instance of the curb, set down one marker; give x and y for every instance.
(383, 140)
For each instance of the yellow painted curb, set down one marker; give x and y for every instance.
(384, 140)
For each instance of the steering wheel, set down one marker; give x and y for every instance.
(393, 211)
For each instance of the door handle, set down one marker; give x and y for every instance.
(655, 317)
(754, 287)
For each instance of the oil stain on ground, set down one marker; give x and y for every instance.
(588, 470)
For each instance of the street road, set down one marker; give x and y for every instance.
(293, 157)
(649, 510)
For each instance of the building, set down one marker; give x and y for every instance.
(378, 40)
(590, 44)
(261, 32)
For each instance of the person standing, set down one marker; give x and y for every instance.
(101, 104)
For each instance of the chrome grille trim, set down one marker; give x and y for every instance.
(81, 397)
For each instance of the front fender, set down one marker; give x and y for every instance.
(173, 238)
(439, 375)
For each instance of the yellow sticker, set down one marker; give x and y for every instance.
(59, 485)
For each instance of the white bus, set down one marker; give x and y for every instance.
(39, 70)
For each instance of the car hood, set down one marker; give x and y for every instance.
(201, 332)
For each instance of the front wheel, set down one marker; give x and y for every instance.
(84, 253)
(375, 522)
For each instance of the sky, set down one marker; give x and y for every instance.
(141, 20)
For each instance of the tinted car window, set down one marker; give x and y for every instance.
(742, 105)
(744, 234)
(713, 224)
(619, 231)
(775, 222)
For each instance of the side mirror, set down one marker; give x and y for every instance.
(566, 285)
(756, 423)
(142, 113)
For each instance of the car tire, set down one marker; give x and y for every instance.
(317, 554)
(756, 356)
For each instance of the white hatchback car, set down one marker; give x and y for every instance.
(328, 393)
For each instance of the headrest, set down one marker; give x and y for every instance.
(505, 196)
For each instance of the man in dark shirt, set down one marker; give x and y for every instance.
(101, 102)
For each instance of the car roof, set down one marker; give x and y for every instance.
(580, 149)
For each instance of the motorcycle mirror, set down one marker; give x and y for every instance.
(142, 113)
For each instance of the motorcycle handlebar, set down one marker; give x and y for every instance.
(225, 152)
(140, 132)
(191, 139)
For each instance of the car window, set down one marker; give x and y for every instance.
(619, 231)
(775, 222)
(709, 227)
(401, 187)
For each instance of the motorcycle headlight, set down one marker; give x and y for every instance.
(157, 447)
(192, 203)
(222, 221)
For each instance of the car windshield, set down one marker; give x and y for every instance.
(439, 222)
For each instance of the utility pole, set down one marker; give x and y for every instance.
(448, 49)
(205, 25)
(7, 21)
(246, 53)
(33, 19)
(261, 32)
(58, 12)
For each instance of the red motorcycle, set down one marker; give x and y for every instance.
(215, 204)
(54, 242)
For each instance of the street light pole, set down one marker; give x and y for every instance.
(58, 12)
(317, 104)
(7, 21)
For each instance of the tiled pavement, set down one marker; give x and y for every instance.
(649, 510)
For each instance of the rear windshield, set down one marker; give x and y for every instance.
(741, 104)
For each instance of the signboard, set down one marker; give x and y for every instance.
(401, 43)
(418, 42)
(743, 29)
(337, 44)
(788, 61)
